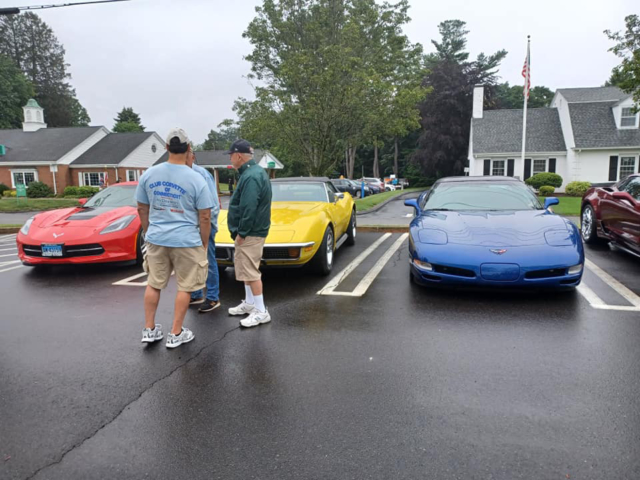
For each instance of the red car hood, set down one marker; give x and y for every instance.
(81, 217)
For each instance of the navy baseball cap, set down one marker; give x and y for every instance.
(240, 146)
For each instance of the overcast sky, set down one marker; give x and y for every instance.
(180, 62)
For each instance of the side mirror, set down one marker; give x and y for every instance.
(82, 201)
(339, 196)
(549, 201)
(412, 202)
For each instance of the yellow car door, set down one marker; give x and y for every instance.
(340, 210)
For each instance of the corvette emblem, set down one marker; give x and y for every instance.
(56, 235)
(499, 251)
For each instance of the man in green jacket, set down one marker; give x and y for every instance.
(249, 219)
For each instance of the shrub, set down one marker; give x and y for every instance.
(39, 190)
(546, 190)
(68, 191)
(577, 189)
(9, 193)
(542, 179)
(3, 188)
(86, 192)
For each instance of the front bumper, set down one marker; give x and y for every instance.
(273, 255)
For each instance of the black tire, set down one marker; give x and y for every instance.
(588, 225)
(140, 248)
(352, 230)
(322, 261)
(358, 194)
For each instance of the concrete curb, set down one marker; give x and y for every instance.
(5, 230)
(380, 205)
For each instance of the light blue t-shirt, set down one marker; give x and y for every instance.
(174, 194)
(215, 210)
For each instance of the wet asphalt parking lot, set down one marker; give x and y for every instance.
(402, 382)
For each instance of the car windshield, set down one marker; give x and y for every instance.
(485, 196)
(113, 197)
(298, 192)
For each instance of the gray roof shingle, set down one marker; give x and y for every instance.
(112, 149)
(213, 158)
(44, 145)
(594, 127)
(500, 131)
(596, 94)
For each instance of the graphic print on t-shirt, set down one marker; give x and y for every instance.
(167, 195)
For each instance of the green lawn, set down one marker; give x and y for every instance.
(9, 225)
(35, 204)
(363, 204)
(568, 206)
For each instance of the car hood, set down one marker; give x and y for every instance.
(81, 217)
(493, 229)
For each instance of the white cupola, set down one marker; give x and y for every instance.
(33, 117)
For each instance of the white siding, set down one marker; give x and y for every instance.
(476, 166)
(594, 165)
(74, 153)
(143, 156)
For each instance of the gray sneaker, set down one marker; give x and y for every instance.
(150, 336)
(185, 336)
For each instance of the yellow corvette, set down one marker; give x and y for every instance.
(310, 220)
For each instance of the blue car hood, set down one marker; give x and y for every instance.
(492, 229)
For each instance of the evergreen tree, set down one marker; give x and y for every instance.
(15, 91)
(128, 121)
(34, 48)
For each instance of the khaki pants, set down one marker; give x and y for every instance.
(247, 259)
(189, 263)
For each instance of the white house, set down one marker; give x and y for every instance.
(586, 134)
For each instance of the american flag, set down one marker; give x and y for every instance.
(526, 73)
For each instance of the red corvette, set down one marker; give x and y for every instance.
(105, 229)
(613, 214)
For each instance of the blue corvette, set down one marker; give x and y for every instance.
(491, 232)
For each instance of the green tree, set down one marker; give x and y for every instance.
(127, 121)
(506, 96)
(34, 48)
(320, 63)
(627, 74)
(445, 114)
(15, 91)
(222, 139)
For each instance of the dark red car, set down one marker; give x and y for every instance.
(613, 214)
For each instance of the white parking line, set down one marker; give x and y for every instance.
(128, 282)
(11, 268)
(339, 278)
(596, 302)
(7, 249)
(11, 235)
(8, 255)
(368, 279)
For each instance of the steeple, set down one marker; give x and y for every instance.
(33, 116)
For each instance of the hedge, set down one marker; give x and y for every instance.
(542, 179)
(577, 189)
(3, 188)
(9, 193)
(39, 190)
(546, 190)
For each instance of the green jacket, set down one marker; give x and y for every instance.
(250, 206)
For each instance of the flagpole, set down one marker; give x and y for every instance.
(526, 98)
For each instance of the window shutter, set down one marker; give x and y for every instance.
(613, 168)
(487, 167)
(527, 168)
(511, 163)
(552, 165)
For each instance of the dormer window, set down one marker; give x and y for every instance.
(628, 119)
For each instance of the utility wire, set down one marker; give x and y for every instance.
(17, 10)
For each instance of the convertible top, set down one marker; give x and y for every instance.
(300, 179)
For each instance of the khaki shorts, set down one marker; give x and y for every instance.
(189, 263)
(247, 259)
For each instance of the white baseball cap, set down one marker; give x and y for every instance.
(177, 132)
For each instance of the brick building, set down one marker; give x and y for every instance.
(76, 156)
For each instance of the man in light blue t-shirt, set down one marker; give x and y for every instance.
(212, 299)
(174, 204)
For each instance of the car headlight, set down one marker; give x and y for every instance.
(575, 269)
(423, 265)
(25, 228)
(118, 225)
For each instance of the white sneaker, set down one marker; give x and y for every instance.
(243, 309)
(185, 336)
(255, 319)
(150, 336)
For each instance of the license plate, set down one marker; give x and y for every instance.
(51, 250)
